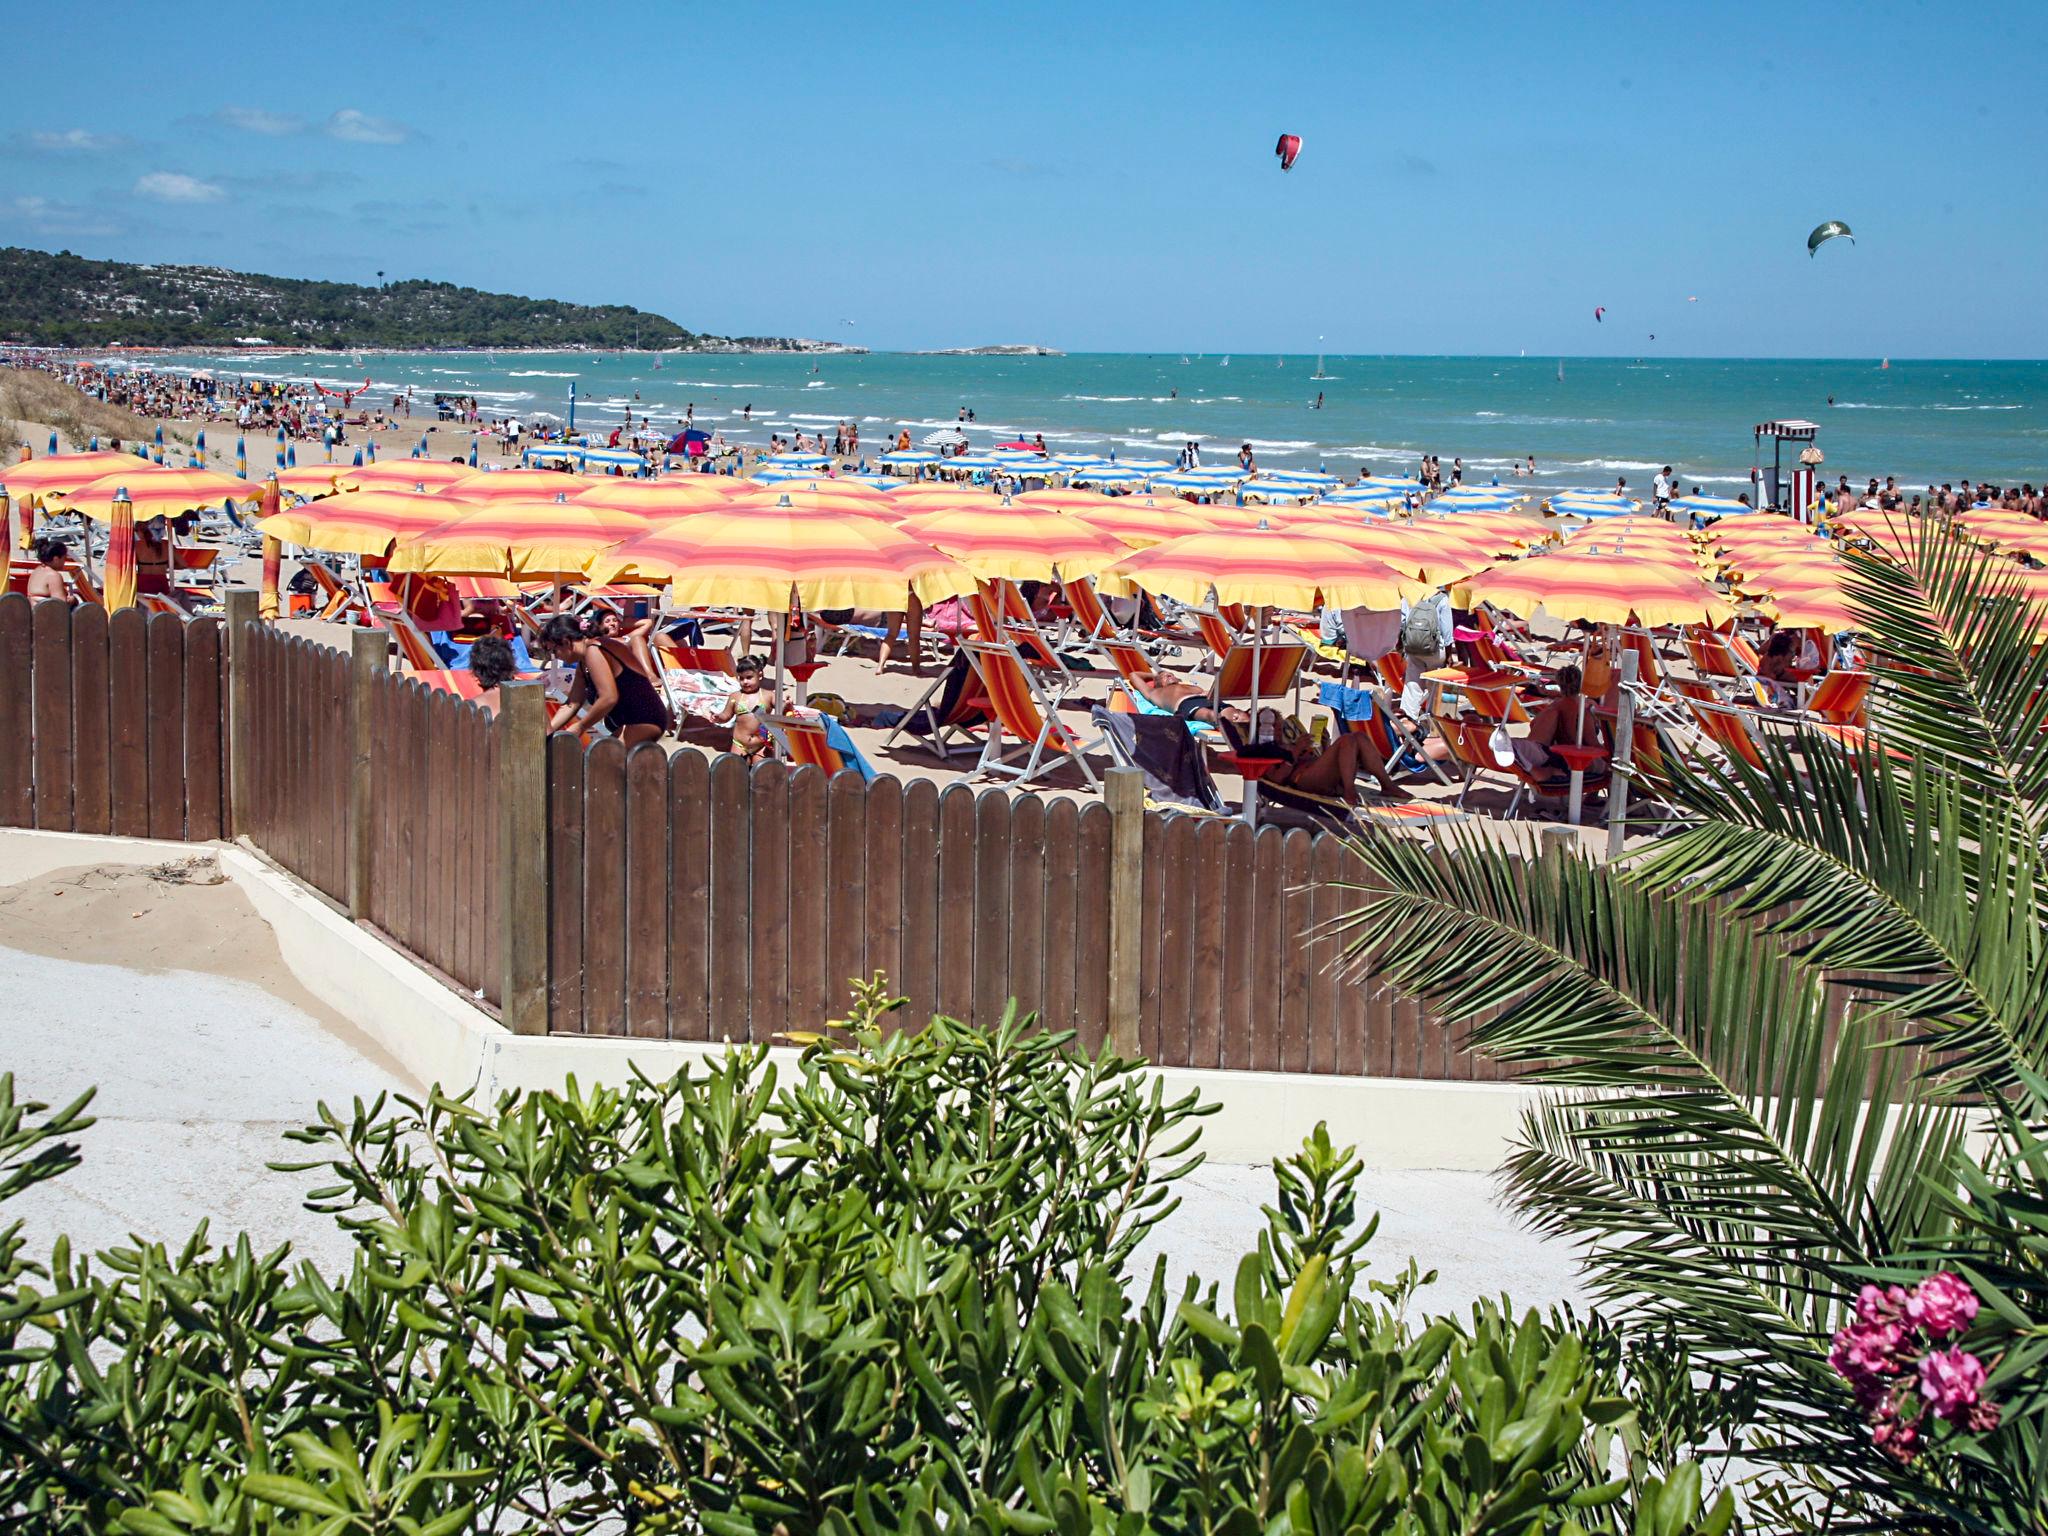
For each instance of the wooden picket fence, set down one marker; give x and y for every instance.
(592, 891)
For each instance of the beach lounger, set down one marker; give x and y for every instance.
(1471, 742)
(1268, 670)
(414, 650)
(1165, 751)
(1023, 713)
(1372, 713)
(338, 600)
(806, 740)
(1839, 697)
(948, 712)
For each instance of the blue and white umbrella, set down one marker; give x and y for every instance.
(588, 458)
(1268, 490)
(1111, 474)
(977, 461)
(1591, 504)
(909, 458)
(1366, 499)
(1476, 498)
(1149, 466)
(797, 461)
(1711, 506)
(1080, 460)
(778, 472)
(1299, 476)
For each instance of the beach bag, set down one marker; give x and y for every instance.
(1419, 633)
(948, 618)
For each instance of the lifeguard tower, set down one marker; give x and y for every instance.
(1773, 488)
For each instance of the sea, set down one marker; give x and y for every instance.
(1586, 421)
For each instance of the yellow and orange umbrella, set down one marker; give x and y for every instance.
(772, 498)
(670, 496)
(1504, 528)
(1067, 498)
(483, 485)
(1144, 520)
(362, 522)
(1243, 519)
(762, 557)
(1270, 567)
(34, 479)
(2015, 533)
(154, 491)
(833, 484)
(309, 479)
(406, 475)
(1415, 549)
(117, 589)
(1011, 543)
(1811, 608)
(1579, 585)
(527, 539)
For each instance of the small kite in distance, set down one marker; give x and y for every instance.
(1823, 233)
(1598, 313)
(1288, 147)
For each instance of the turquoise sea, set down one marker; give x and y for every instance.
(1586, 420)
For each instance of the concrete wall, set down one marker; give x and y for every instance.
(441, 1037)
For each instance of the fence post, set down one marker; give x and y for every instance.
(1624, 745)
(241, 606)
(1124, 791)
(523, 882)
(369, 656)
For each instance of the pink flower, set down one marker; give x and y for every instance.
(1874, 1306)
(1944, 1305)
(1951, 1382)
(1897, 1438)
(1866, 1350)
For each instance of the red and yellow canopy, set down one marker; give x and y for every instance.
(1000, 543)
(362, 522)
(156, 491)
(524, 539)
(406, 475)
(1270, 567)
(1603, 588)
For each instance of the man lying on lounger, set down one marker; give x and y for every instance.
(1186, 700)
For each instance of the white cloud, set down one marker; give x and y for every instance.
(361, 128)
(75, 140)
(177, 187)
(62, 219)
(275, 125)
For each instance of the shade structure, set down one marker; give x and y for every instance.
(308, 480)
(1895, 535)
(1414, 550)
(1636, 536)
(1381, 501)
(1290, 491)
(2003, 529)
(1401, 483)
(1711, 506)
(669, 496)
(33, 479)
(1237, 519)
(406, 474)
(1271, 567)
(763, 557)
(976, 461)
(517, 485)
(908, 458)
(1476, 498)
(1069, 499)
(1005, 542)
(156, 492)
(118, 586)
(845, 501)
(1603, 588)
(828, 485)
(796, 461)
(363, 522)
(1589, 504)
(1504, 530)
(1143, 520)
(1763, 530)
(776, 475)
(1825, 608)
(522, 539)
(583, 456)
(1113, 474)
(945, 437)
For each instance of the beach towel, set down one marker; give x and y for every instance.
(1164, 751)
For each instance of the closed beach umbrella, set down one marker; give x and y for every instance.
(118, 589)
(269, 570)
(406, 475)
(533, 540)
(760, 558)
(362, 522)
(156, 492)
(1270, 567)
(1006, 542)
(1597, 588)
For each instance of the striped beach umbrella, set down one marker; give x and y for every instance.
(312, 480)
(1591, 587)
(1068, 499)
(155, 492)
(1268, 567)
(1711, 506)
(1590, 504)
(908, 458)
(1140, 521)
(1113, 474)
(1007, 542)
(515, 484)
(1476, 498)
(1402, 483)
(1274, 491)
(33, 479)
(838, 501)
(530, 540)
(766, 557)
(2012, 532)
(796, 461)
(1244, 519)
(406, 475)
(1426, 552)
(976, 462)
(666, 496)
(362, 522)
(117, 589)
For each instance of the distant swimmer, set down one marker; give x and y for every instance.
(1319, 401)
(1173, 394)
(1831, 399)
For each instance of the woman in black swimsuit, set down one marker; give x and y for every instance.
(609, 684)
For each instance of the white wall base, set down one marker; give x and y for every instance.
(440, 1037)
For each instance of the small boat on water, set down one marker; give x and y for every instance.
(1226, 361)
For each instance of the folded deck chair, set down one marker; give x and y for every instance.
(1162, 748)
(1024, 713)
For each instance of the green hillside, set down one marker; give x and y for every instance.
(66, 300)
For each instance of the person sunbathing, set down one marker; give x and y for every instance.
(1332, 772)
(1186, 700)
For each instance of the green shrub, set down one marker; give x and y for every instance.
(893, 1292)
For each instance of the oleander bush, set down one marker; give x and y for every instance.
(893, 1290)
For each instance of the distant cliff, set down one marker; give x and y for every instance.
(64, 300)
(1007, 351)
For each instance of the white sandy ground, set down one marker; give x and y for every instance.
(202, 1071)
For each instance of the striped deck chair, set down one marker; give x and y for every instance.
(1001, 616)
(1389, 737)
(1090, 616)
(1728, 661)
(1838, 698)
(337, 599)
(413, 647)
(1025, 714)
(1731, 730)
(803, 743)
(1275, 668)
(1471, 744)
(952, 708)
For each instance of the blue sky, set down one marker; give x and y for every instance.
(1474, 178)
